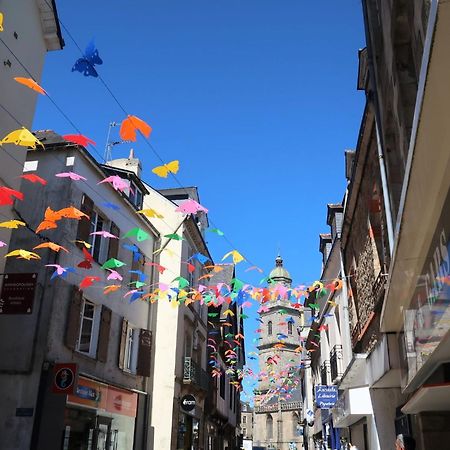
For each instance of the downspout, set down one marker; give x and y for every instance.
(378, 129)
(346, 337)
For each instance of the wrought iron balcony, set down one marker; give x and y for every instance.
(324, 371)
(336, 363)
(194, 374)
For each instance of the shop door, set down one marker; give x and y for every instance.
(103, 435)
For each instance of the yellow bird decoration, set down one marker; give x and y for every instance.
(149, 212)
(237, 257)
(12, 224)
(23, 254)
(1, 21)
(164, 170)
(22, 137)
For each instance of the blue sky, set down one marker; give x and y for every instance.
(256, 98)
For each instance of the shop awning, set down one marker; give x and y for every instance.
(427, 179)
(429, 398)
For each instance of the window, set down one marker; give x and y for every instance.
(88, 337)
(97, 224)
(138, 263)
(135, 195)
(131, 349)
(269, 328)
(222, 385)
(244, 419)
(290, 327)
(269, 426)
(244, 432)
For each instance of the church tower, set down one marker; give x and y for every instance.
(278, 398)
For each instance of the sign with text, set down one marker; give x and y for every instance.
(326, 396)
(188, 402)
(17, 294)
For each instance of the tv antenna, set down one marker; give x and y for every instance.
(107, 156)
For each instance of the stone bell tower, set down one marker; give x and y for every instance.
(278, 397)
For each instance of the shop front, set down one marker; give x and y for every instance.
(99, 416)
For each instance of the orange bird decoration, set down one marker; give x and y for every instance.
(132, 124)
(72, 213)
(30, 83)
(50, 219)
(51, 246)
(7, 195)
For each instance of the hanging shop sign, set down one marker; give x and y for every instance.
(326, 396)
(17, 293)
(64, 378)
(188, 402)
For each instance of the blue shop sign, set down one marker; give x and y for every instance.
(326, 396)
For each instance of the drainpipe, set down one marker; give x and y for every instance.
(378, 128)
(346, 337)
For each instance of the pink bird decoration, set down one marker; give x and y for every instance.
(114, 275)
(72, 175)
(190, 207)
(59, 269)
(119, 184)
(3, 244)
(104, 233)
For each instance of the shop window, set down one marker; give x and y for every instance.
(269, 426)
(88, 337)
(269, 328)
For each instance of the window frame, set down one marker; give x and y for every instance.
(269, 328)
(94, 331)
(131, 349)
(97, 241)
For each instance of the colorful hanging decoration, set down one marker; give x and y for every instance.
(190, 206)
(12, 224)
(237, 257)
(23, 254)
(79, 139)
(34, 178)
(23, 138)
(72, 175)
(86, 64)
(119, 184)
(1, 22)
(7, 195)
(30, 83)
(52, 246)
(132, 124)
(164, 170)
(150, 213)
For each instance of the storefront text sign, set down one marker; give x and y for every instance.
(64, 378)
(17, 293)
(326, 396)
(188, 402)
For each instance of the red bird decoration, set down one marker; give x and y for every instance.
(88, 260)
(34, 178)
(7, 195)
(88, 281)
(79, 139)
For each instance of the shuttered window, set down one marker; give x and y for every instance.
(144, 353)
(74, 318)
(103, 338)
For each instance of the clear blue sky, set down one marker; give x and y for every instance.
(256, 98)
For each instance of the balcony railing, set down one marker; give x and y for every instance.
(324, 371)
(378, 289)
(289, 406)
(336, 363)
(194, 374)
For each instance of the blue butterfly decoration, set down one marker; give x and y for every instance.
(86, 64)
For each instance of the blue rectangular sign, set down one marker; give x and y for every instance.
(326, 396)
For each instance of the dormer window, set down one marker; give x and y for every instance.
(135, 195)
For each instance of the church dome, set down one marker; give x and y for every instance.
(279, 274)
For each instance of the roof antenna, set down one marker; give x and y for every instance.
(107, 156)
